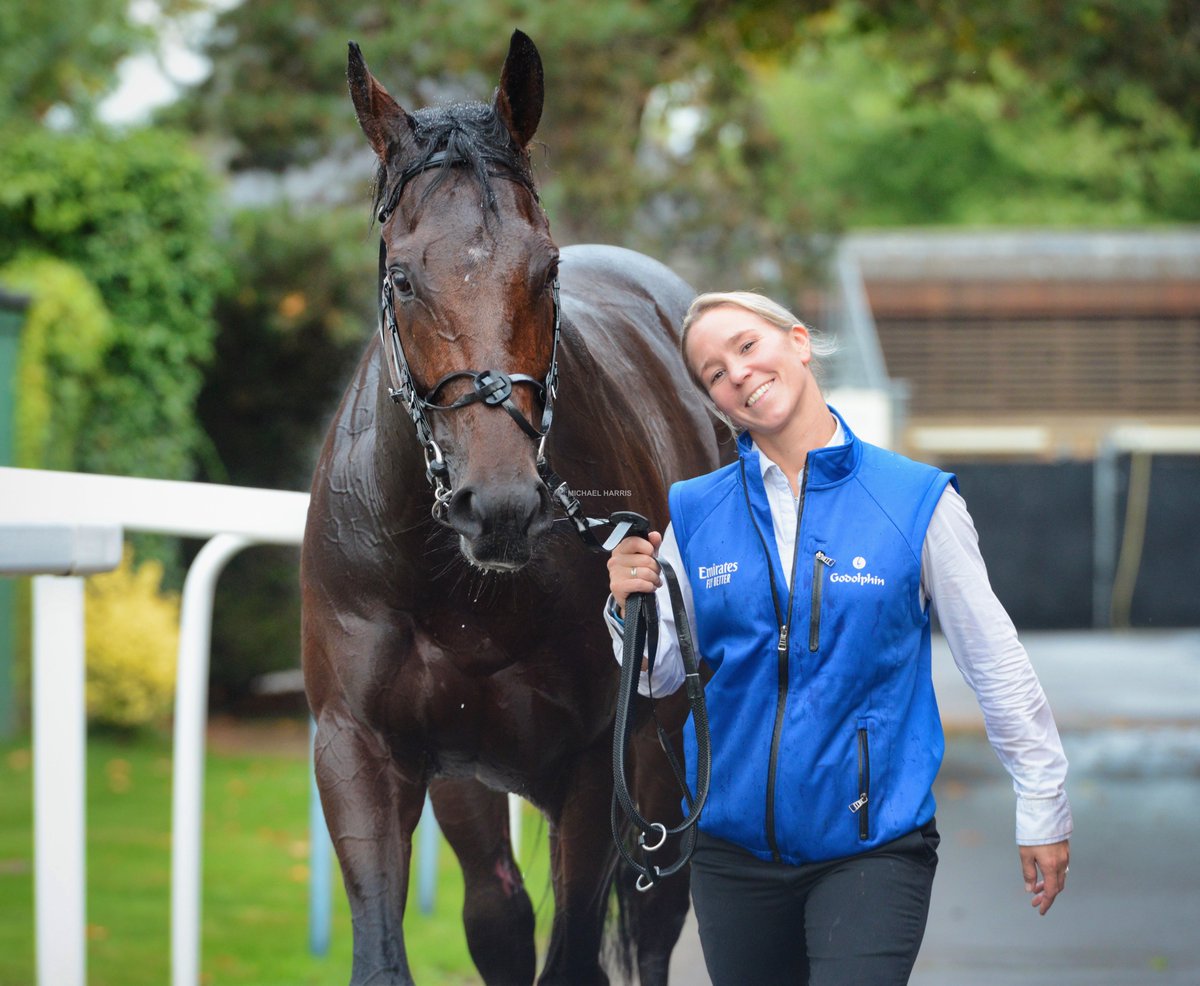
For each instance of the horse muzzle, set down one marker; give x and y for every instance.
(499, 526)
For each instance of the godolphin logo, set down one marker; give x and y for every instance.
(859, 577)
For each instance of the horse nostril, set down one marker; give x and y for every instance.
(463, 513)
(541, 512)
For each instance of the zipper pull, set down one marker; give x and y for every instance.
(825, 560)
(858, 804)
(783, 635)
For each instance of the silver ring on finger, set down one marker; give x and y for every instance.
(633, 573)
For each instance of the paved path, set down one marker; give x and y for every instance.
(1129, 709)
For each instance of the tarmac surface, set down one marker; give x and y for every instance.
(1128, 708)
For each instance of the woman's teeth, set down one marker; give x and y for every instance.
(753, 398)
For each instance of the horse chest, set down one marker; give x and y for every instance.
(474, 706)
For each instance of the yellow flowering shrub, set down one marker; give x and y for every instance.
(132, 645)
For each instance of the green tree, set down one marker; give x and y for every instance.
(292, 325)
(63, 53)
(66, 54)
(863, 147)
(278, 85)
(1087, 53)
(66, 331)
(133, 213)
(969, 82)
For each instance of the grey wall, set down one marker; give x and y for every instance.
(1035, 523)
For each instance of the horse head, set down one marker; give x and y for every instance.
(468, 278)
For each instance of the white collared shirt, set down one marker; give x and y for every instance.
(981, 636)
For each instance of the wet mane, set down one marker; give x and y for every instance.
(472, 133)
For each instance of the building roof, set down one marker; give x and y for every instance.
(1028, 254)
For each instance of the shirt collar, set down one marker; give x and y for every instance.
(765, 465)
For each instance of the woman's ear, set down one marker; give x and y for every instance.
(802, 341)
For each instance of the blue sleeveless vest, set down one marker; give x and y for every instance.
(826, 738)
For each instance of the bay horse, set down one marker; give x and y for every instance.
(452, 633)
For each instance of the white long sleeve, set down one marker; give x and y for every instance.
(667, 676)
(984, 644)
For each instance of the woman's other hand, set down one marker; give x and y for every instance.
(1045, 871)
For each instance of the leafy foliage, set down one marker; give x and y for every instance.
(66, 56)
(1001, 150)
(133, 214)
(278, 87)
(132, 644)
(293, 321)
(62, 53)
(1086, 54)
(804, 118)
(292, 324)
(63, 340)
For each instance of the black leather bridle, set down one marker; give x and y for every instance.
(491, 387)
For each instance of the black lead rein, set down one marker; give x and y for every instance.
(641, 637)
(494, 389)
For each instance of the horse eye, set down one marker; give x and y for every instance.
(551, 276)
(401, 284)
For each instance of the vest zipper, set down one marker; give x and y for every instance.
(820, 562)
(864, 786)
(781, 650)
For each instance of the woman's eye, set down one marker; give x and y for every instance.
(401, 284)
(746, 347)
(715, 377)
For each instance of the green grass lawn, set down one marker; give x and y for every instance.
(256, 874)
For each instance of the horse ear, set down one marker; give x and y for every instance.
(382, 119)
(519, 99)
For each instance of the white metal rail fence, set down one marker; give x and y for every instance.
(64, 525)
(58, 526)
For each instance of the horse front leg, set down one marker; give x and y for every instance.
(582, 857)
(497, 913)
(371, 807)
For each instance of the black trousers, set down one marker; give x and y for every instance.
(855, 921)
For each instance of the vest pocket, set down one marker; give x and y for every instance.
(861, 807)
(821, 561)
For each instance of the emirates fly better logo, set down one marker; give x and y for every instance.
(718, 574)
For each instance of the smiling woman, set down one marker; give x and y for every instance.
(748, 319)
(813, 563)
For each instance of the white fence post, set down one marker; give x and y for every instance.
(59, 780)
(191, 713)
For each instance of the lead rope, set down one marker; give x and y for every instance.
(641, 626)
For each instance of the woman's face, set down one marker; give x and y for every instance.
(755, 373)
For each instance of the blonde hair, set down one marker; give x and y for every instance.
(757, 304)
